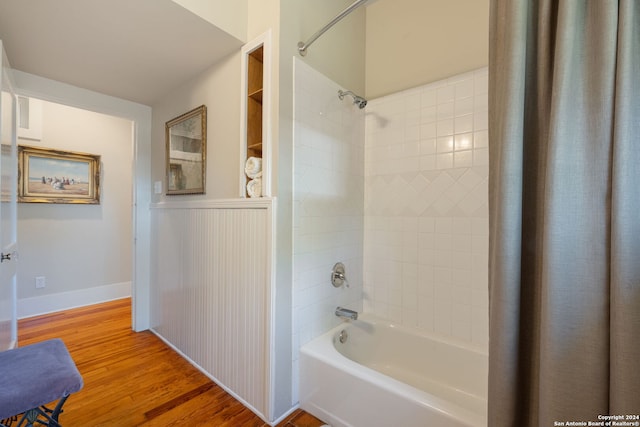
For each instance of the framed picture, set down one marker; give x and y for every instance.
(54, 176)
(186, 138)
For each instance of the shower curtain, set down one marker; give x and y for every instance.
(564, 211)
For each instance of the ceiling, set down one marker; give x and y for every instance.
(135, 50)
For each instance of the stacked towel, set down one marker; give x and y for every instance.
(254, 187)
(253, 167)
(253, 170)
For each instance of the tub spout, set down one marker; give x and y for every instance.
(345, 313)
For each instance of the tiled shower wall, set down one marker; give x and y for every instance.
(328, 205)
(426, 208)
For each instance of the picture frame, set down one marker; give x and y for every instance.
(186, 149)
(55, 176)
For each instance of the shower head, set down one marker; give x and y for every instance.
(357, 100)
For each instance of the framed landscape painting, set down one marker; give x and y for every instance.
(54, 176)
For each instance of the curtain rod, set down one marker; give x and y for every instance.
(302, 47)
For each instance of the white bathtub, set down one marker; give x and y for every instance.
(385, 375)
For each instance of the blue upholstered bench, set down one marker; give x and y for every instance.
(33, 376)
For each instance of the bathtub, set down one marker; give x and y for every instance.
(385, 375)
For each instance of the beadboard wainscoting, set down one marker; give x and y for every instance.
(212, 290)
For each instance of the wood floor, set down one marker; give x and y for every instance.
(134, 379)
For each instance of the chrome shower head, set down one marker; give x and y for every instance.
(357, 100)
(360, 102)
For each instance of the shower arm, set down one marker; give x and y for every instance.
(302, 47)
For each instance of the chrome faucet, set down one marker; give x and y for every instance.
(345, 313)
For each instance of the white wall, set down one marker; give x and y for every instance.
(79, 247)
(426, 208)
(219, 89)
(328, 206)
(414, 42)
(339, 53)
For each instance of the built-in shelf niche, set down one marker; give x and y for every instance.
(254, 102)
(255, 110)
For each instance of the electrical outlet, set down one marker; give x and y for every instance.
(41, 282)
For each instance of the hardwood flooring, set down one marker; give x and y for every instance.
(134, 379)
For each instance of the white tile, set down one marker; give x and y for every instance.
(464, 88)
(442, 242)
(470, 179)
(428, 163)
(461, 243)
(411, 148)
(412, 133)
(463, 141)
(461, 260)
(479, 244)
(481, 139)
(481, 101)
(428, 131)
(426, 225)
(445, 110)
(461, 226)
(443, 292)
(445, 94)
(444, 161)
(461, 277)
(426, 313)
(464, 124)
(443, 225)
(425, 280)
(444, 144)
(412, 101)
(442, 319)
(470, 204)
(429, 114)
(426, 256)
(413, 118)
(457, 191)
(428, 98)
(465, 106)
(444, 128)
(480, 120)
(428, 146)
(463, 159)
(481, 157)
(481, 83)
(480, 226)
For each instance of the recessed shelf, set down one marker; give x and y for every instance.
(254, 110)
(256, 95)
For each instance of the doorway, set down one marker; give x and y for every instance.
(29, 85)
(74, 254)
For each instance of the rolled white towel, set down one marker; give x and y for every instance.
(253, 167)
(254, 187)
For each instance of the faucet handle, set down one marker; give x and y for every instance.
(338, 277)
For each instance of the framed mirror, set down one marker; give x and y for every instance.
(186, 139)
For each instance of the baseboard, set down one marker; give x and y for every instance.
(35, 306)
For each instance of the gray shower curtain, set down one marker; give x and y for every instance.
(564, 204)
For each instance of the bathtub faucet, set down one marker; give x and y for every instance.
(345, 313)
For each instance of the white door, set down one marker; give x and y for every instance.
(8, 210)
